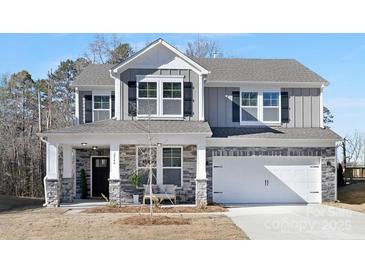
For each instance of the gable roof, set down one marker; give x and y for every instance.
(94, 75)
(155, 43)
(259, 70)
(216, 69)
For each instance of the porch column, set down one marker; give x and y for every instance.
(201, 197)
(52, 186)
(114, 175)
(67, 180)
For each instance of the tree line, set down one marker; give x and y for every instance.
(29, 105)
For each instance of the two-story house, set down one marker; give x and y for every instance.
(221, 130)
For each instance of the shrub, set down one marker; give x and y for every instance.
(83, 184)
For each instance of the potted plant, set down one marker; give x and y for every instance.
(136, 181)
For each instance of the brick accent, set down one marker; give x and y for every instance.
(327, 155)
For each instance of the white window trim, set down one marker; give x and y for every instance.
(159, 163)
(102, 93)
(260, 108)
(159, 80)
(181, 167)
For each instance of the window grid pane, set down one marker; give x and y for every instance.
(101, 102)
(249, 99)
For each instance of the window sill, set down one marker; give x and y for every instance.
(175, 118)
(258, 124)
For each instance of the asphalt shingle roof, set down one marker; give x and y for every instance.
(222, 69)
(266, 70)
(95, 75)
(135, 127)
(276, 133)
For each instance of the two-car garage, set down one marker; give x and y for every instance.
(266, 179)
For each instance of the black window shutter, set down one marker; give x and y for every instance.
(188, 99)
(113, 105)
(88, 108)
(235, 106)
(284, 107)
(132, 98)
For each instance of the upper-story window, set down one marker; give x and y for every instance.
(160, 97)
(260, 107)
(101, 106)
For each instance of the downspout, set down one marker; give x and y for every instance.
(45, 178)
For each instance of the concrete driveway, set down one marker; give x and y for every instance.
(298, 222)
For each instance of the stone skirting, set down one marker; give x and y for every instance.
(327, 155)
(201, 197)
(67, 190)
(53, 192)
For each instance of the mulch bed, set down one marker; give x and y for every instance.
(155, 220)
(146, 209)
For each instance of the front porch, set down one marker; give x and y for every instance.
(108, 170)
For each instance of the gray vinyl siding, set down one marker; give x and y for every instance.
(304, 107)
(101, 115)
(130, 75)
(218, 106)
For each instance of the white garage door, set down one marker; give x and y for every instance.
(266, 180)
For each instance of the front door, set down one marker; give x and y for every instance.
(100, 175)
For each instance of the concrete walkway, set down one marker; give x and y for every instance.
(298, 222)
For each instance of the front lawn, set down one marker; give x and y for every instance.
(60, 224)
(351, 197)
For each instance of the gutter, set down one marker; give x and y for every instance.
(45, 178)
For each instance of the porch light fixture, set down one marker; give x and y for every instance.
(83, 144)
(159, 144)
(94, 147)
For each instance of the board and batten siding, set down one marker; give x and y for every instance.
(130, 75)
(304, 107)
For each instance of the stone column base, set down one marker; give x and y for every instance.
(53, 192)
(201, 192)
(67, 190)
(115, 191)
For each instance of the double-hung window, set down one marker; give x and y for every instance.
(260, 107)
(101, 106)
(147, 98)
(160, 96)
(270, 107)
(172, 98)
(249, 106)
(172, 165)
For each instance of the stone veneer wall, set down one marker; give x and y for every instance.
(186, 194)
(83, 161)
(327, 154)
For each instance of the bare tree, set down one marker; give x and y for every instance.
(204, 49)
(355, 149)
(112, 51)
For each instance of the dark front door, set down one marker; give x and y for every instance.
(100, 175)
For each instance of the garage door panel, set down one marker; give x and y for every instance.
(266, 180)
